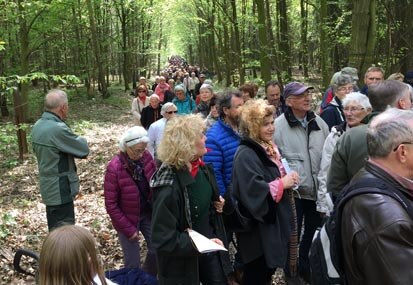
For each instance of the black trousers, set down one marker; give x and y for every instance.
(60, 215)
(210, 270)
(256, 272)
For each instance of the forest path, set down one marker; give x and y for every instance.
(23, 215)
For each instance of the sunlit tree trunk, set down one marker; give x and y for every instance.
(363, 34)
(96, 49)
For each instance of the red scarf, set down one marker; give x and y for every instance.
(195, 166)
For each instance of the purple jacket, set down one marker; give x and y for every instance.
(122, 197)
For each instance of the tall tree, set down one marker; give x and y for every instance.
(96, 49)
(265, 60)
(363, 34)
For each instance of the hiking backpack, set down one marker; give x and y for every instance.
(326, 256)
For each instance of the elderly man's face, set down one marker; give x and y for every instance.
(154, 102)
(373, 77)
(273, 94)
(300, 103)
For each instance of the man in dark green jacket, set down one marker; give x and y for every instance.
(350, 152)
(56, 147)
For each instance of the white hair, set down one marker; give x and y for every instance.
(154, 96)
(133, 136)
(359, 98)
(166, 106)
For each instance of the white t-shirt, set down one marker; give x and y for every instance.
(98, 282)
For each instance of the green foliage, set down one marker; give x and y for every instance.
(8, 144)
(6, 220)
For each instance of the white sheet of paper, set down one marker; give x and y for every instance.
(204, 244)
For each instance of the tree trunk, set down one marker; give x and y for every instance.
(304, 44)
(96, 50)
(363, 34)
(237, 43)
(324, 44)
(284, 39)
(265, 60)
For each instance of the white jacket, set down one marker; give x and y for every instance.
(324, 201)
(137, 106)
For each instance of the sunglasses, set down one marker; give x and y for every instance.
(171, 112)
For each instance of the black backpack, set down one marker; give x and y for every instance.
(326, 257)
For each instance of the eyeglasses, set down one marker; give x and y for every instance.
(137, 151)
(352, 109)
(171, 112)
(349, 89)
(141, 91)
(395, 149)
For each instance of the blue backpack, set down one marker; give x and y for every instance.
(326, 256)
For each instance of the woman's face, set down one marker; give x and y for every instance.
(205, 94)
(214, 111)
(136, 151)
(180, 94)
(246, 96)
(200, 146)
(267, 129)
(354, 113)
(342, 91)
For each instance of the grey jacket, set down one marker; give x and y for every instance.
(302, 148)
(56, 147)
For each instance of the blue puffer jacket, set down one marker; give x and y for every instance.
(222, 143)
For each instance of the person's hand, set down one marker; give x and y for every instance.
(135, 236)
(219, 205)
(290, 180)
(217, 241)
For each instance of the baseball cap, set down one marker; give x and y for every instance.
(295, 88)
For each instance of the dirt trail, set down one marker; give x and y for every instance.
(23, 222)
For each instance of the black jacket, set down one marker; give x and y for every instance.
(177, 257)
(252, 171)
(150, 115)
(377, 235)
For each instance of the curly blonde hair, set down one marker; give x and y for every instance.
(177, 146)
(252, 115)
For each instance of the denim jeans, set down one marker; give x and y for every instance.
(131, 248)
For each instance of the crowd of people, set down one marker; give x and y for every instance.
(192, 155)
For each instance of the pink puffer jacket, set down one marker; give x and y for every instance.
(122, 196)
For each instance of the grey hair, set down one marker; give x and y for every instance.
(179, 87)
(206, 86)
(359, 98)
(166, 106)
(386, 93)
(224, 101)
(341, 80)
(388, 130)
(54, 99)
(132, 136)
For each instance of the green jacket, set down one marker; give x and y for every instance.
(350, 154)
(56, 147)
(176, 255)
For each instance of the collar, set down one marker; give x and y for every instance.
(258, 148)
(388, 174)
(294, 122)
(54, 114)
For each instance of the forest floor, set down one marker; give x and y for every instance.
(22, 214)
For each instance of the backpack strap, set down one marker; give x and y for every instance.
(380, 187)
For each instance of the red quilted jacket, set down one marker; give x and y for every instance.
(122, 196)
